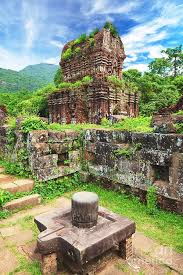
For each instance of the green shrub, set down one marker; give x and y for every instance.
(105, 122)
(37, 104)
(67, 54)
(77, 50)
(95, 31)
(33, 123)
(76, 84)
(92, 42)
(137, 124)
(128, 152)
(87, 79)
(64, 85)
(112, 29)
(16, 168)
(116, 81)
(179, 128)
(80, 39)
(5, 196)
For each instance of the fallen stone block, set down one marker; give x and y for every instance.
(24, 185)
(10, 187)
(30, 200)
(2, 169)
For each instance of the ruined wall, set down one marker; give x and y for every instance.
(53, 154)
(120, 160)
(135, 161)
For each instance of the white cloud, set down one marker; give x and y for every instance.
(10, 60)
(109, 7)
(33, 15)
(52, 60)
(57, 44)
(140, 67)
(146, 38)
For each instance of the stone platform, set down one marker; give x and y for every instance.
(77, 246)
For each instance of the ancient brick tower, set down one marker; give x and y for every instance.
(98, 57)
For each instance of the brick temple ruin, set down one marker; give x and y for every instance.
(164, 120)
(90, 103)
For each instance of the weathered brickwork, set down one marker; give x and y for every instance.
(92, 102)
(104, 58)
(135, 161)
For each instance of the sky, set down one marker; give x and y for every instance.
(34, 31)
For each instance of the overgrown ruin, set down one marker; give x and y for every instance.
(98, 57)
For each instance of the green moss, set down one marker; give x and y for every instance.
(128, 152)
(85, 80)
(92, 42)
(116, 81)
(67, 54)
(80, 39)
(77, 50)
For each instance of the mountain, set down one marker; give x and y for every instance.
(30, 78)
(41, 72)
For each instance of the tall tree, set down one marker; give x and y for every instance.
(170, 64)
(175, 57)
(160, 66)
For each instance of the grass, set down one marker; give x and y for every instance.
(27, 222)
(163, 226)
(139, 124)
(31, 267)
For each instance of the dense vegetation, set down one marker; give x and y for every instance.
(162, 86)
(29, 79)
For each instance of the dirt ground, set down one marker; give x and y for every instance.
(18, 236)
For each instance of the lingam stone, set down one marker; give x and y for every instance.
(84, 209)
(82, 234)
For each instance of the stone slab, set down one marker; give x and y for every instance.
(2, 169)
(24, 185)
(8, 261)
(10, 187)
(19, 185)
(6, 178)
(22, 202)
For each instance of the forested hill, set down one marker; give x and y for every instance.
(29, 79)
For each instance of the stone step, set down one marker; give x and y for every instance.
(2, 169)
(30, 200)
(6, 178)
(18, 185)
